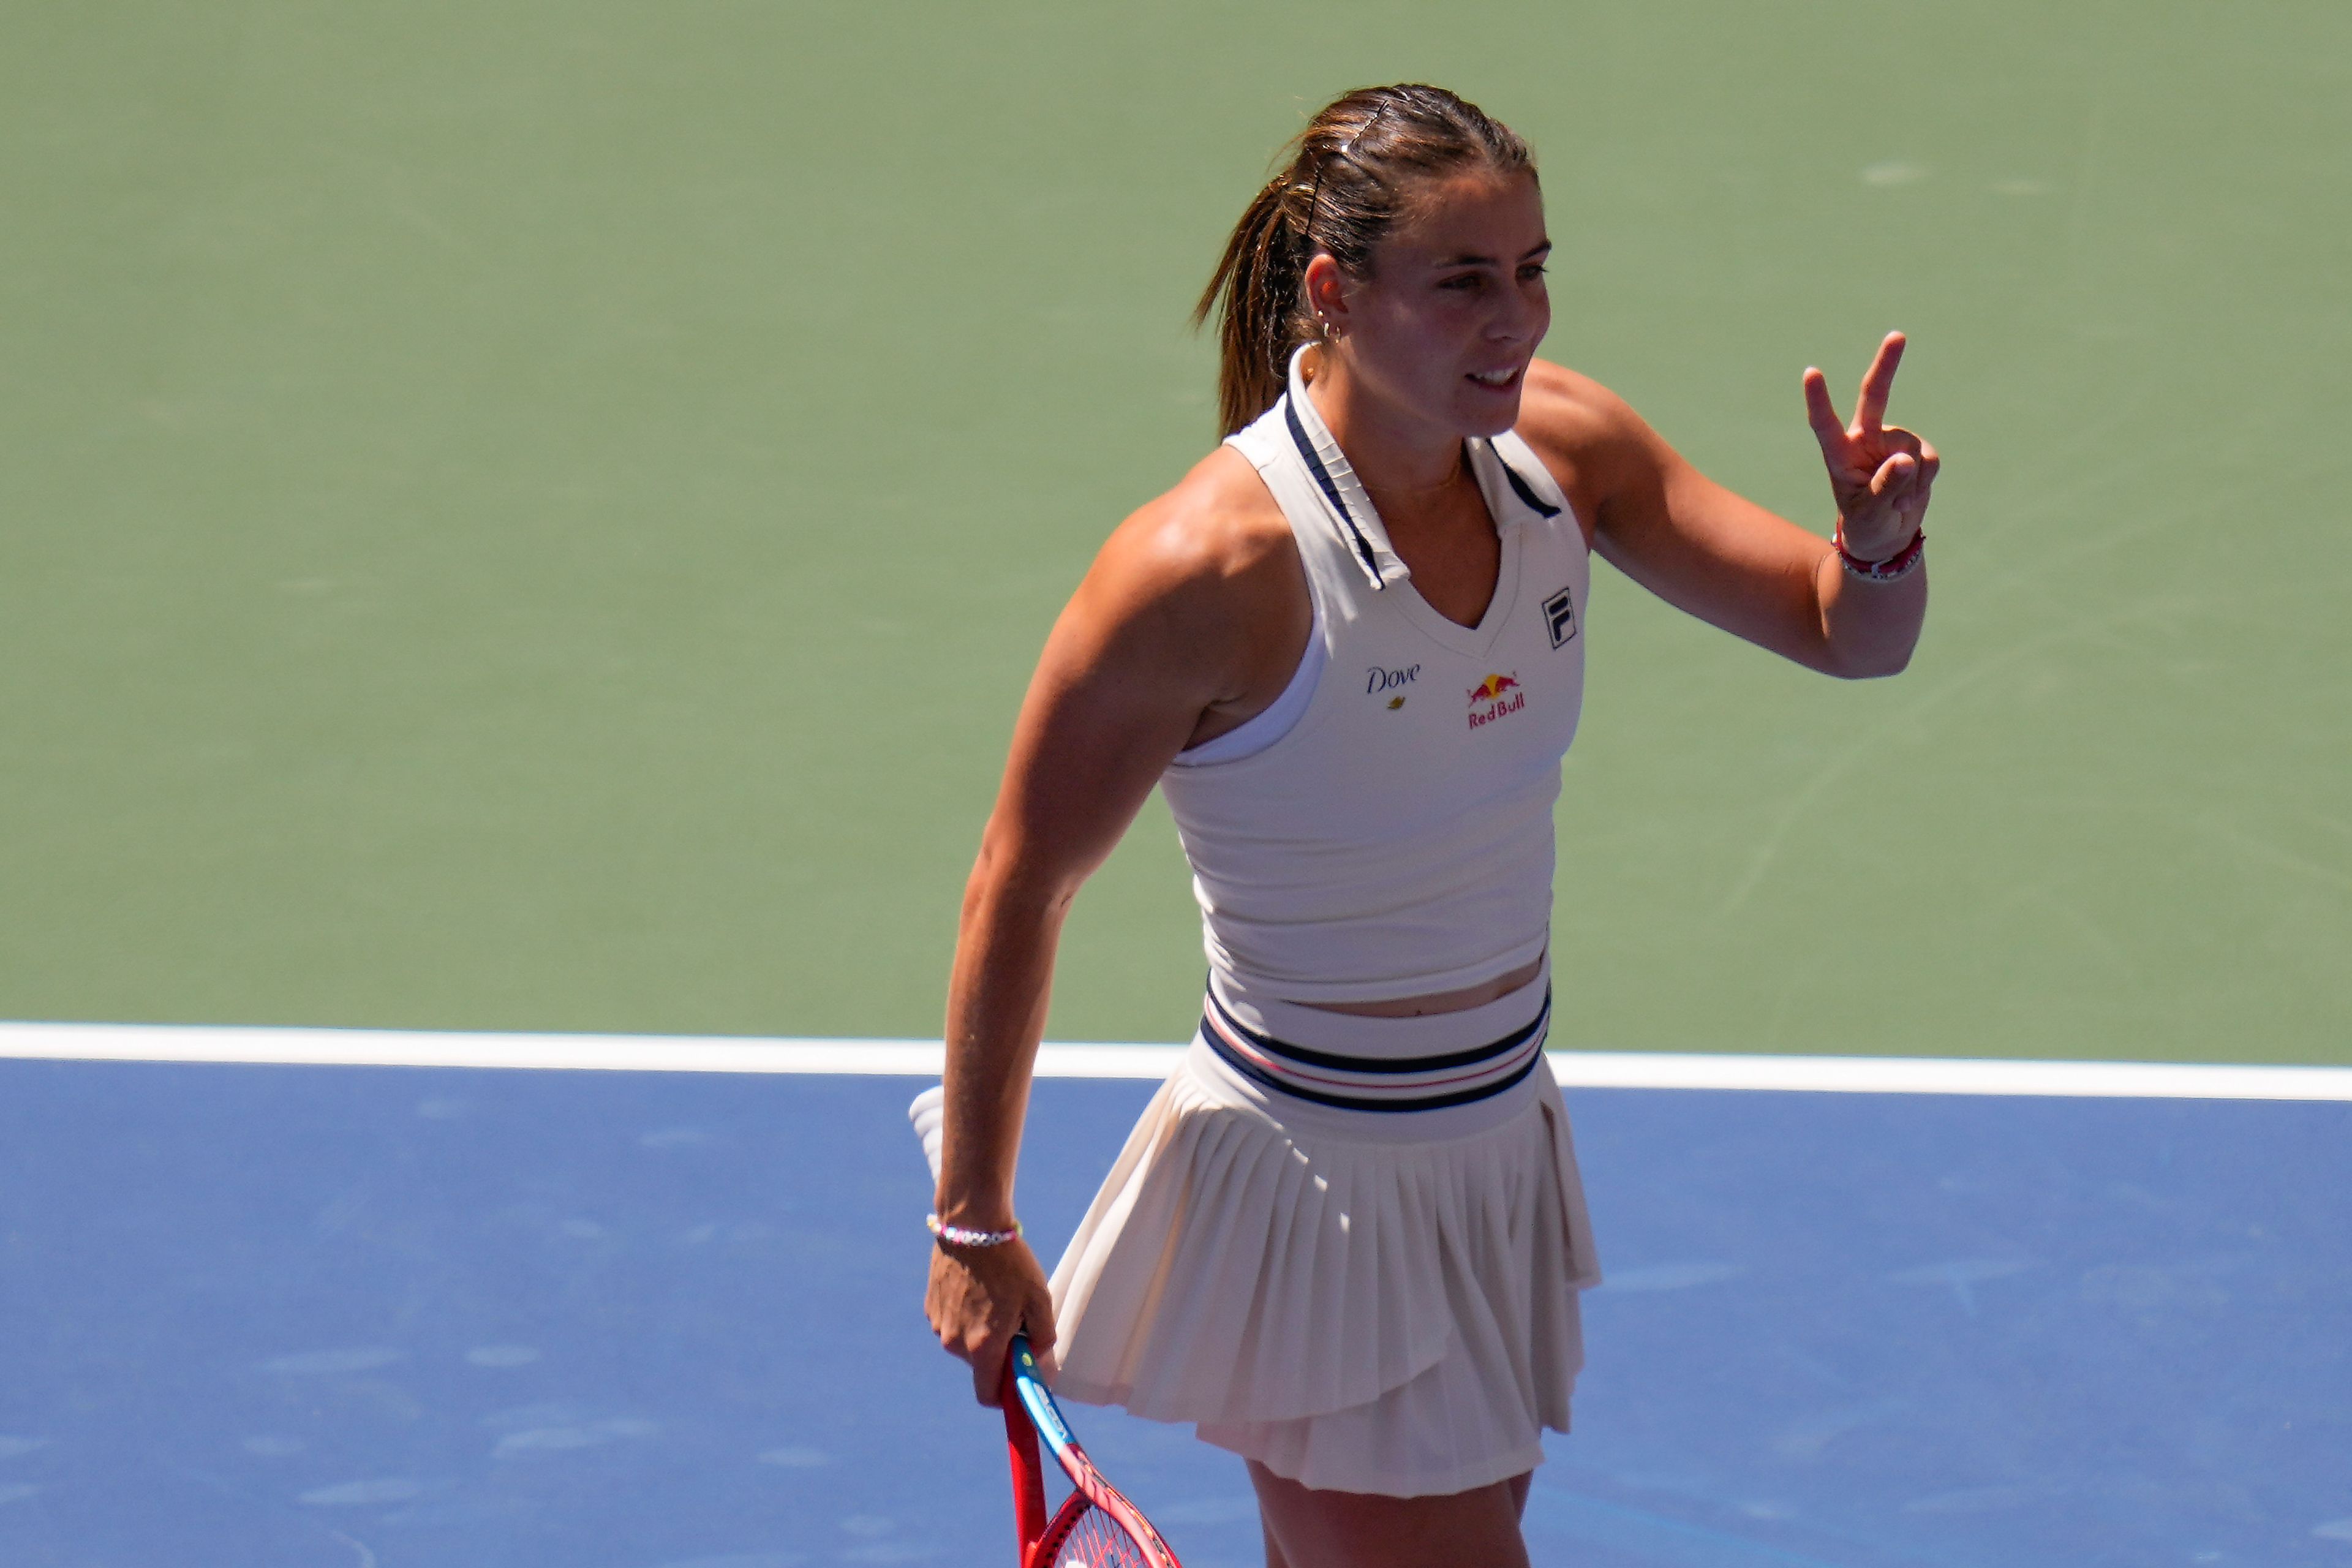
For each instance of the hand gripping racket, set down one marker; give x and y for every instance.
(1094, 1527)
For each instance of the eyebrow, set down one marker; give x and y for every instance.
(1467, 260)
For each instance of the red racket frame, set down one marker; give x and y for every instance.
(1042, 1537)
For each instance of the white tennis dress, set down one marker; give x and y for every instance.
(1350, 1248)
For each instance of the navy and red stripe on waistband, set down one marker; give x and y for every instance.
(1376, 1083)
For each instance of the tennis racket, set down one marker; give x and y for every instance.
(1094, 1527)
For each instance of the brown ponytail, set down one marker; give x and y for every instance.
(1347, 184)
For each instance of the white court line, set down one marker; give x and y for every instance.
(921, 1058)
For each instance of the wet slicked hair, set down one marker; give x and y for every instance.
(1348, 180)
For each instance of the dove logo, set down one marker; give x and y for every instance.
(1497, 697)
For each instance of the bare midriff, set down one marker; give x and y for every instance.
(1460, 1001)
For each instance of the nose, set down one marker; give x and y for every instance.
(1524, 317)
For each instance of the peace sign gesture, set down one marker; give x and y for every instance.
(1881, 474)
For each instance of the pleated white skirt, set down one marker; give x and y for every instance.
(1361, 1301)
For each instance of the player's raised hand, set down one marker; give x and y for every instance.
(1881, 474)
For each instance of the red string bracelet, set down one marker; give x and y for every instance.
(1893, 568)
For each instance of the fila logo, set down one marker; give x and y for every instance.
(1559, 616)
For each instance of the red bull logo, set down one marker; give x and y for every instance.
(1493, 697)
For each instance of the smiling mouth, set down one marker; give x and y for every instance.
(1496, 380)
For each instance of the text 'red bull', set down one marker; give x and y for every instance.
(1489, 703)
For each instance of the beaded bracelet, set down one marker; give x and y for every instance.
(964, 1235)
(1894, 568)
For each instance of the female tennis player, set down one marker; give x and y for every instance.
(1347, 1239)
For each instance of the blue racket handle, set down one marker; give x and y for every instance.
(1036, 1399)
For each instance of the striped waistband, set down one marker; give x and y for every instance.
(1376, 1083)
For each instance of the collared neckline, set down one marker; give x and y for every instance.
(1351, 510)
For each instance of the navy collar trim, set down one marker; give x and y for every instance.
(1521, 487)
(1330, 488)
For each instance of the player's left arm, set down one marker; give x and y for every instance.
(1731, 562)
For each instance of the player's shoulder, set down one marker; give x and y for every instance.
(1568, 414)
(1201, 576)
(1591, 438)
(1218, 527)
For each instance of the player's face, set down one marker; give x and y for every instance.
(1455, 303)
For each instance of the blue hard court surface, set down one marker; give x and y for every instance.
(344, 1317)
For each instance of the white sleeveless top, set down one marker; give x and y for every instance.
(1397, 838)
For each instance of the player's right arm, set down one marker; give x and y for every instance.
(1179, 631)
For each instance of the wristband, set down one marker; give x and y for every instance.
(964, 1235)
(1893, 568)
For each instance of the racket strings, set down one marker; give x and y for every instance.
(1096, 1540)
